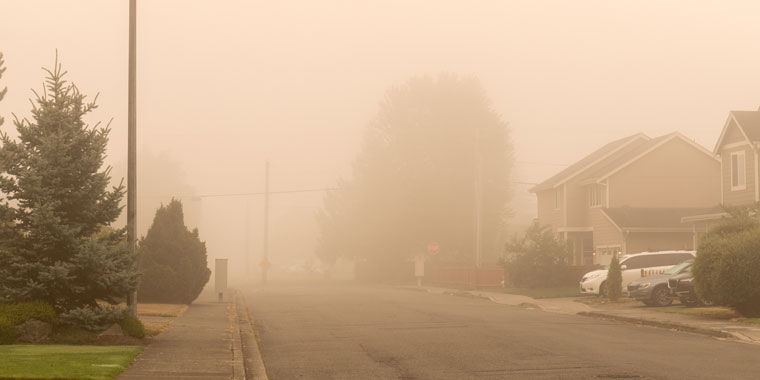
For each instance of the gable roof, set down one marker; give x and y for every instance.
(586, 162)
(651, 219)
(612, 166)
(748, 123)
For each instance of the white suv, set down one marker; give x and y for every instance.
(634, 267)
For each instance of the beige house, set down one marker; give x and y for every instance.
(631, 196)
(737, 150)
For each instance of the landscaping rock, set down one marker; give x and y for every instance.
(114, 330)
(34, 331)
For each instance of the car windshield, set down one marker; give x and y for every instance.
(675, 269)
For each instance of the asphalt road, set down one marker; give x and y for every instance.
(334, 331)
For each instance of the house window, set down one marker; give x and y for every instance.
(738, 171)
(594, 196)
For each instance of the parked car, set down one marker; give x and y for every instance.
(653, 290)
(682, 286)
(634, 267)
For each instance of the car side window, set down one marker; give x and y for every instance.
(634, 262)
(672, 259)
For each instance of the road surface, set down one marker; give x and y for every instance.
(342, 331)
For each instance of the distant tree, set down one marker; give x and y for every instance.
(538, 259)
(614, 282)
(414, 181)
(727, 267)
(172, 259)
(5, 89)
(56, 206)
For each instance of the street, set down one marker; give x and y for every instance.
(319, 330)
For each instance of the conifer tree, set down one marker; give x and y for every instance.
(172, 259)
(56, 205)
(614, 279)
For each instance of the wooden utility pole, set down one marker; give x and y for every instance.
(265, 252)
(132, 146)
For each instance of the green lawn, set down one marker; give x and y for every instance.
(556, 292)
(64, 362)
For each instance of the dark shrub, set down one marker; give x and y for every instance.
(7, 331)
(727, 267)
(73, 335)
(539, 259)
(93, 319)
(172, 258)
(132, 326)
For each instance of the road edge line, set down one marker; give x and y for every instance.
(666, 325)
(253, 361)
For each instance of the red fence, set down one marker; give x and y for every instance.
(468, 276)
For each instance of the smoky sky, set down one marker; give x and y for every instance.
(224, 86)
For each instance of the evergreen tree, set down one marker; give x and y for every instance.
(614, 281)
(56, 206)
(172, 259)
(5, 89)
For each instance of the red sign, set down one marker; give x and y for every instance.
(433, 248)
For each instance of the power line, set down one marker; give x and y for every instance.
(263, 192)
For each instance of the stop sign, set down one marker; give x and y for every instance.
(433, 248)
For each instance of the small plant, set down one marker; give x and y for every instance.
(132, 326)
(614, 279)
(73, 335)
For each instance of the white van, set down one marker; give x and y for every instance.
(634, 267)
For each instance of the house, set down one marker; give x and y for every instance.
(737, 150)
(631, 196)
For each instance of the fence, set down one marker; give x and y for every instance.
(468, 276)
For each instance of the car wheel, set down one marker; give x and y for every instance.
(689, 301)
(661, 296)
(603, 290)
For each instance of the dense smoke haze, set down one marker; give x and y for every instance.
(225, 86)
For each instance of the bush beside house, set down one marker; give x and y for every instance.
(538, 259)
(727, 267)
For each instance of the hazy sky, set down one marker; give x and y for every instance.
(225, 85)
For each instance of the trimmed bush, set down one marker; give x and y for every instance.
(14, 314)
(172, 259)
(73, 335)
(727, 267)
(132, 326)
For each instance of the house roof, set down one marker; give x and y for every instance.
(628, 156)
(612, 157)
(652, 219)
(748, 123)
(586, 162)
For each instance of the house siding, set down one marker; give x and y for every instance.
(605, 234)
(673, 175)
(547, 214)
(738, 197)
(658, 241)
(733, 134)
(576, 205)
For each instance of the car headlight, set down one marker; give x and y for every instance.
(645, 285)
(590, 276)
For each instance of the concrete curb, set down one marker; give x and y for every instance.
(666, 325)
(238, 369)
(253, 363)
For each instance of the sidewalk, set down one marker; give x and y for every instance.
(632, 312)
(203, 343)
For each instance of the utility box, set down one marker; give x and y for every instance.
(220, 278)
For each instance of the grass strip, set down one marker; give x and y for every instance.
(65, 362)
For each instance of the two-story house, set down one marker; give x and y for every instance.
(737, 150)
(631, 196)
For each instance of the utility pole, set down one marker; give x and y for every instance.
(265, 252)
(247, 238)
(478, 199)
(132, 146)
